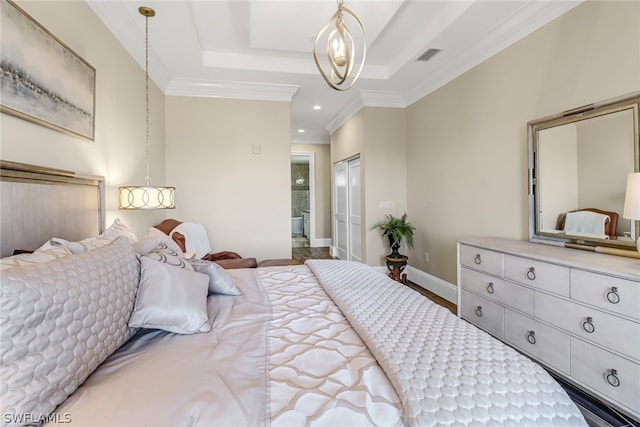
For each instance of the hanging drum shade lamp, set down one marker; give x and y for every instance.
(147, 196)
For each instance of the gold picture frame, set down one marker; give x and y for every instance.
(41, 79)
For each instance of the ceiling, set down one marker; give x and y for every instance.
(262, 49)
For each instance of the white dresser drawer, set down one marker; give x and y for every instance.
(518, 297)
(611, 293)
(481, 259)
(549, 345)
(541, 275)
(594, 367)
(610, 331)
(483, 313)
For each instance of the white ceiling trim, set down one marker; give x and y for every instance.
(517, 26)
(301, 139)
(120, 22)
(272, 62)
(379, 98)
(348, 112)
(232, 90)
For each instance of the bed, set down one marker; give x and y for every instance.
(122, 332)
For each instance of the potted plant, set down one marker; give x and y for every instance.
(397, 230)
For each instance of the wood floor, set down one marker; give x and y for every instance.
(433, 297)
(305, 253)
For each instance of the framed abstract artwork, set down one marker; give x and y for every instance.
(41, 79)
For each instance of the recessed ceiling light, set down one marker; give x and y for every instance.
(300, 130)
(317, 107)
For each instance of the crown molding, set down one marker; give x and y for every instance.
(366, 98)
(383, 98)
(231, 90)
(124, 27)
(310, 140)
(350, 110)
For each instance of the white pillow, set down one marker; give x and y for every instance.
(84, 245)
(152, 238)
(166, 255)
(118, 228)
(171, 298)
(38, 257)
(114, 231)
(220, 282)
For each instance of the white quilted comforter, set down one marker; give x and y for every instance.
(446, 371)
(283, 354)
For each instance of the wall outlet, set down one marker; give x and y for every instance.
(426, 256)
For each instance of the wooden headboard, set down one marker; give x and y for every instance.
(37, 203)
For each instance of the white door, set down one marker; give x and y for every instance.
(347, 214)
(341, 205)
(355, 249)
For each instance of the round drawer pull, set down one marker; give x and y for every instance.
(490, 288)
(588, 326)
(477, 259)
(531, 274)
(531, 337)
(612, 378)
(612, 295)
(479, 311)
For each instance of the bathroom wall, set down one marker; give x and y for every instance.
(322, 169)
(299, 188)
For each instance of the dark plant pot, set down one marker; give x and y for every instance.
(394, 249)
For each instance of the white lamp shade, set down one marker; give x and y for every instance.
(632, 197)
(134, 197)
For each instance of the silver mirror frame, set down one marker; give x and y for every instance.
(626, 102)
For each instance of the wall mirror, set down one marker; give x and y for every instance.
(578, 166)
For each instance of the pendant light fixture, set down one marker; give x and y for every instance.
(146, 197)
(340, 49)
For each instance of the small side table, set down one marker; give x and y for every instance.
(396, 266)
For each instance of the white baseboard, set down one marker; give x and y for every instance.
(321, 243)
(433, 284)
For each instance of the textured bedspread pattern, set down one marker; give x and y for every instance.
(446, 371)
(321, 372)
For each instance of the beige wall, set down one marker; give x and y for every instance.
(242, 199)
(378, 135)
(118, 152)
(467, 147)
(322, 169)
(605, 157)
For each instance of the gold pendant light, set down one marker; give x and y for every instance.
(340, 49)
(147, 197)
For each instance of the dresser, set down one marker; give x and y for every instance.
(575, 312)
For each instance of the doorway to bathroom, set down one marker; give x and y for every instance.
(302, 199)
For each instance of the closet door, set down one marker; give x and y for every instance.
(355, 226)
(341, 209)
